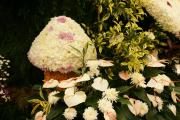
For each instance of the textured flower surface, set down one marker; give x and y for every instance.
(104, 105)
(138, 79)
(154, 62)
(111, 94)
(110, 115)
(40, 116)
(52, 99)
(55, 48)
(167, 13)
(90, 114)
(70, 113)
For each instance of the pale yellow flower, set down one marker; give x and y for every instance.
(90, 114)
(70, 113)
(100, 84)
(156, 101)
(111, 94)
(138, 79)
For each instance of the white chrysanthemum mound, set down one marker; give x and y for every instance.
(70, 113)
(166, 12)
(56, 47)
(90, 114)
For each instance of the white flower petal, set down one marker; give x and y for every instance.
(100, 84)
(172, 108)
(73, 100)
(110, 115)
(177, 68)
(51, 83)
(125, 75)
(67, 83)
(70, 91)
(85, 77)
(105, 63)
(156, 101)
(52, 99)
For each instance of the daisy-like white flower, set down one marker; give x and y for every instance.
(172, 108)
(73, 98)
(159, 82)
(154, 62)
(70, 113)
(90, 114)
(156, 101)
(125, 75)
(40, 116)
(51, 83)
(67, 83)
(83, 78)
(104, 105)
(52, 99)
(110, 115)
(138, 79)
(111, 94)
(100, 84)
(105, 63)
(93, 67)
(177, 68)
(174, 97)
(137, 107)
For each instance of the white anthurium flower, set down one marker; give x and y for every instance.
(52, 99)
(70, 91)
(40, 116)
(67, 83)
(70, 113)
(110, 115)
(174, 97)
(104, 105)
(156, 101)
(51, 83)
(105, 63)
(177, 68)
(138, 79)
(125, 75)
(110, 94)
(83, 78)
(137, 107)
(74, 99)
(93, 67)
(154, 62)
(172, 108)
(90, 114)
(100, 84)
(159, 82)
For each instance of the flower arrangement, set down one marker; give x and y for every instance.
(166, 12)
(4, 66)
(56, 48)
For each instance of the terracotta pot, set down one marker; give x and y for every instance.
(58, 76)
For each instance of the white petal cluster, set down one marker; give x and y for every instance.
(104, 105)
(52, 99)
(153, 61)
(111, 94)
(90, 114)
(56, 47)
(73, 97)
(137, 107)
(70, 113)
(138, 79)
(156, 101)
(174, 96)
(110, 115)
(177, 68)
(166, 12)
(159, 82)
(172, 108)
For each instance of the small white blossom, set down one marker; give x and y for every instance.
(104, 105)
(111, 94)
(154, 62)
(90, 114)
(172, 108)
(156, 101)
(110, 115)
(52, 99)
(70, 113)
(51, 83)
(138, 79)
(105, 63)
(40, 116)
(174, 97)
(100, 84)
(83, 78)
(93, 67)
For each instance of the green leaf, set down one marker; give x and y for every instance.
(124, 89)
(41, 94)
(123, 100)
(106, 17)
